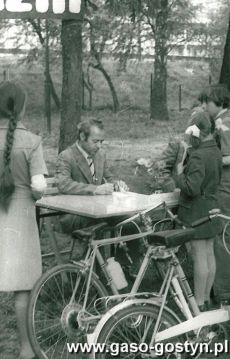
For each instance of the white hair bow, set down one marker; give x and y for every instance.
(193, 130)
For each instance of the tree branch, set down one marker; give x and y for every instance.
(37, 29)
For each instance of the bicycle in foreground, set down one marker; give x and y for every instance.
(69, 299)
(150, 322)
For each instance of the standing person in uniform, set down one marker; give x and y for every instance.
(199, 182)
(217, 101)
(22, 170)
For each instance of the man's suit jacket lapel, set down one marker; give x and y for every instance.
(82, 164)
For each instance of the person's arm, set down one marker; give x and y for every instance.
(191, 181)
(223, 128)
(169, 156)
(119, 185)
(38, 186)
(226, 160)
(37, 169)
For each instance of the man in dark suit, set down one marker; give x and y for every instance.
(82, 169)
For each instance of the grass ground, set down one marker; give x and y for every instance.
(130, 135)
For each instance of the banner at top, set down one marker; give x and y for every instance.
(46, 9)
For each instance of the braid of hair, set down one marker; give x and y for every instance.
(7, 185)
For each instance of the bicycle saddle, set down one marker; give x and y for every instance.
(172, 238)
(88, 231)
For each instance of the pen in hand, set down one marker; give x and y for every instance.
(116, 187)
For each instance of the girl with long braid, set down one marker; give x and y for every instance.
(22, 170)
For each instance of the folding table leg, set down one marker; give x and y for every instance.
(53, 240)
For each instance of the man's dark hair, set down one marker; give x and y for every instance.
(218, 94)
(86, 125)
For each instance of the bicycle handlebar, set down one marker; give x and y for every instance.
(214, 213)
(209, 218)
(200, 221)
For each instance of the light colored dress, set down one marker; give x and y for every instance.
(20, 254)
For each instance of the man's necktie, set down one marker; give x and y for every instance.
(91, 166)
(217, 139)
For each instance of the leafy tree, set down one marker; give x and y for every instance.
(38, 27)
(98, 30)
(225, 69)
(212, 35)
(32, 32)
(167, 19)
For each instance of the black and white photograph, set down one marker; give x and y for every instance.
(114, 179)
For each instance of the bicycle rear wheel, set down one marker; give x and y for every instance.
(133, 327)
(52, 319)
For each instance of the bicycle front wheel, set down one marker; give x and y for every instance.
(128, 333)
(52, 315)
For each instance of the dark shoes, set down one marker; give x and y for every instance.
(202, 308)
(207, 306)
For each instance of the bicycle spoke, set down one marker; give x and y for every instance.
(131, 325)
(53, 318)
(49, 298)
(52, 357)
(47, 328)
(61, 291)
(55, 344)
(64, 347)
(123, 337)
(83, 286)
(93, 298)
(52, 290)
(46, 308)
(46, 320)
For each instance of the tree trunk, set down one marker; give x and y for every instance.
(159, 110)
(71, 38)
(116, 104)
(89, 86)
(126, 49)
(139, 51)
(54, 93)
(37, 28)
(225, 69)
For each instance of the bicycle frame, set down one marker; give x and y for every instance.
(192, 324)
(170, 281)
(184, 299)
(184, 295)
(94, 253)
(196, 320)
